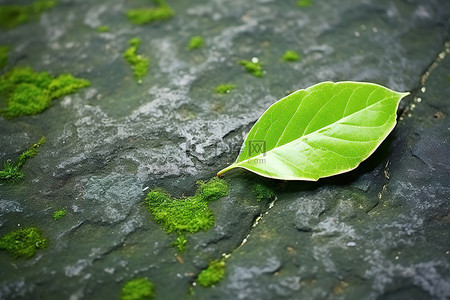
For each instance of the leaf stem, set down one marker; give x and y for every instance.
(226, 169)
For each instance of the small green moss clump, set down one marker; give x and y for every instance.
(290, 55)
(196, 42)
(138, 289)
(225, 88)
(66, 84)
(262, 192)
(138, 63)
(254, 67)
(13, 15)
(12, 172)
(304, 3)
(57, 215)
(146, 15)
(211, 190)
(26, 92)
(103, 28)
(4, 51)
(30, 152)
(185, 215)
(212, 274)
(180, 243)
(179, 215)
(23, 242)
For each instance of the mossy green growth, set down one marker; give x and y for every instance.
(57, 215)
(23, 242)
(25, 92)
(212, 190)
(290, 55)
(103, 28)
(253, 67)
(138, 63)
(185, 215)
(13, 15)
(138, 289)
(225, 88)
(4, 54)
(262, 192)
(30, 152)
(304, 3)
(212, 274)
(12, 172)
(180, 243)
(146, 15)
(196, 42)
(179, 215)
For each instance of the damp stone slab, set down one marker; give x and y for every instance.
(380, 231)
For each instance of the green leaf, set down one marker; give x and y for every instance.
(321, 131)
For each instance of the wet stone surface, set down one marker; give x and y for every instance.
(378, 232)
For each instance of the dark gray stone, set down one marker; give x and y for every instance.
(378, 232)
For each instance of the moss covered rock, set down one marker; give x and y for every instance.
(138, 63)
(185, 215)
(13, 15)
(12, 172)
(23, 242)
(212, 274)
(138, 289)
(146, 15)
(25, 92)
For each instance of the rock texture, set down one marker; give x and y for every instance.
(378, 232)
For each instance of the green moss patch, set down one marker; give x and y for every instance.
(13, 15)
(146, 15)
(212, 274)
(180, 243)
(102, 29)
(304, 3)
(186, 214)
(57, 215)
(225, 88)
(196, 42)
(138, 289)
(254, 67)
(179, 215)
(212, 190)
(12, 172)
(262, 192)
(23, 242)
(25, 92)
(290, 55)
(4, 54)
(138, 63)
